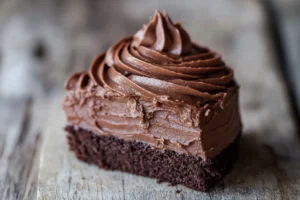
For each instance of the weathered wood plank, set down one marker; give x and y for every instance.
(39, 113)
(17, 153)
(21, 125)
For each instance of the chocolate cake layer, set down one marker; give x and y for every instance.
(109, 152)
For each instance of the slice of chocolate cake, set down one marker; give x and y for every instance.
(157, 105)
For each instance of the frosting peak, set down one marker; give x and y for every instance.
(163, 35)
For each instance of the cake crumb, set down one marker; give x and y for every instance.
(178, 191)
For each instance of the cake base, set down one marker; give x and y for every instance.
(111, 153)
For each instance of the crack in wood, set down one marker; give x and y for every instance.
(123, 188)
(25, 122)
(31, 182)
(2, 141)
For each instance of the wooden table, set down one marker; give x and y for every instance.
(43, 41)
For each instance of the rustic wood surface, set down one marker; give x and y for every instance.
(42, 42)
(20, 133)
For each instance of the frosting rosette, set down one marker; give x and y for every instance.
(161, 62)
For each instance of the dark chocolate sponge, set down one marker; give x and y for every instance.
(138, 158)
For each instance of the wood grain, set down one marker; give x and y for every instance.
(21, 123)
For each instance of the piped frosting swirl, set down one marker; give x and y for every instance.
(161, 62)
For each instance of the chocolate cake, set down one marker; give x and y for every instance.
(158, 105)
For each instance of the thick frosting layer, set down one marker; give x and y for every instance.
(158, 87)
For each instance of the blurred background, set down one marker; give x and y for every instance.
(42, 42)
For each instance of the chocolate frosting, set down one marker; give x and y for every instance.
(158, 87)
